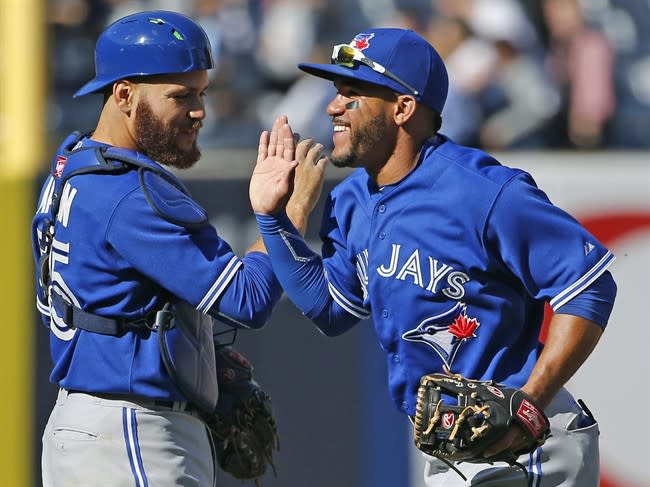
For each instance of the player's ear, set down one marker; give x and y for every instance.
(123, 94)
(404, 109)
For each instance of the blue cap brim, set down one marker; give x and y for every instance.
(360, 73)
(93, 86)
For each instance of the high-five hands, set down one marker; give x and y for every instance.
(308, 179)
(286, 172)
(272, 179)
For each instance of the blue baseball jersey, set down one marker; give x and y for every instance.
(454, 263)
(124, 242)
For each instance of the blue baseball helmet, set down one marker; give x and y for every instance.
(148, 43)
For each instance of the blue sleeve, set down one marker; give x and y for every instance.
(251, 295)
(549, 251)
(594, 303)
(302, 275)
(193, 264)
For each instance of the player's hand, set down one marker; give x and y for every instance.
(514, 440)
(309, 176)
(272, 179)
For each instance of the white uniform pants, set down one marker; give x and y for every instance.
(91, 441)
(569, 458)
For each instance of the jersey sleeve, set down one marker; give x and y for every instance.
(548, 250)
(193, 264)
(347, 273)
(594, 303)
(304, 275)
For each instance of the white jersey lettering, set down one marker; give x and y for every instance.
(436, 274)
(66, 203)
(59, 256)
(392, 267)
(456, 280)
(412, 268)
(46, 198)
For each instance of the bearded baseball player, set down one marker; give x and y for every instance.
(131, 275)
(453, 256)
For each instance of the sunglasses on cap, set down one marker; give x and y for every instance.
(346, 55)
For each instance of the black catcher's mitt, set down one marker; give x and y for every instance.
(242, 426)
(461, 430)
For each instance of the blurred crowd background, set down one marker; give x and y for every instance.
(524, 74)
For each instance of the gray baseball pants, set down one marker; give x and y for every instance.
(96, 441)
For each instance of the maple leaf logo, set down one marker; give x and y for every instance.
(362, 41)
(463, 327)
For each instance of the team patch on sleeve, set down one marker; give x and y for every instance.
(170, 202)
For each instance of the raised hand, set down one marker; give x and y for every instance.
(309, 176)
(271, 183)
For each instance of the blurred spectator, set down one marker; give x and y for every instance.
(304, 102)
(581, 60)
(233, 27)
(470, 63)
(499, 97)
(287, 37)
(594, 90)
(121, 8)
(518, 100)
(73, 28)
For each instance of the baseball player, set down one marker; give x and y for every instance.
(451, 254)
(131, 274)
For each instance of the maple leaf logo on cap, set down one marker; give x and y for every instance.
(362, 41)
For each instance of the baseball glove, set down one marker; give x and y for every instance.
(482, 412)
(243, 428)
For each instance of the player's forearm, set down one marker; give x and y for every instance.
(251, 295)
(298, 216)
(257, 246)
(297, 267)
(569, 342)
(301, 273)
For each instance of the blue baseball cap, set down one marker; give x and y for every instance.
(409, 63)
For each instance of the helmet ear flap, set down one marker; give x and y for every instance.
(148, 43)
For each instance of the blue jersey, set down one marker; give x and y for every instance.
(124, 242)
(453, 263)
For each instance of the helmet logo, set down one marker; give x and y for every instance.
(175, 33)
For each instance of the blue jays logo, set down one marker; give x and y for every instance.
(362, 41)
(61, 162)
(446, 332)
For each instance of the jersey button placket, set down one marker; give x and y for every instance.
(381, 209)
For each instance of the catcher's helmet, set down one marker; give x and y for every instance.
(146, 43)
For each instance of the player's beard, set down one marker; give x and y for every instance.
(157, 140)
(362, 141)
